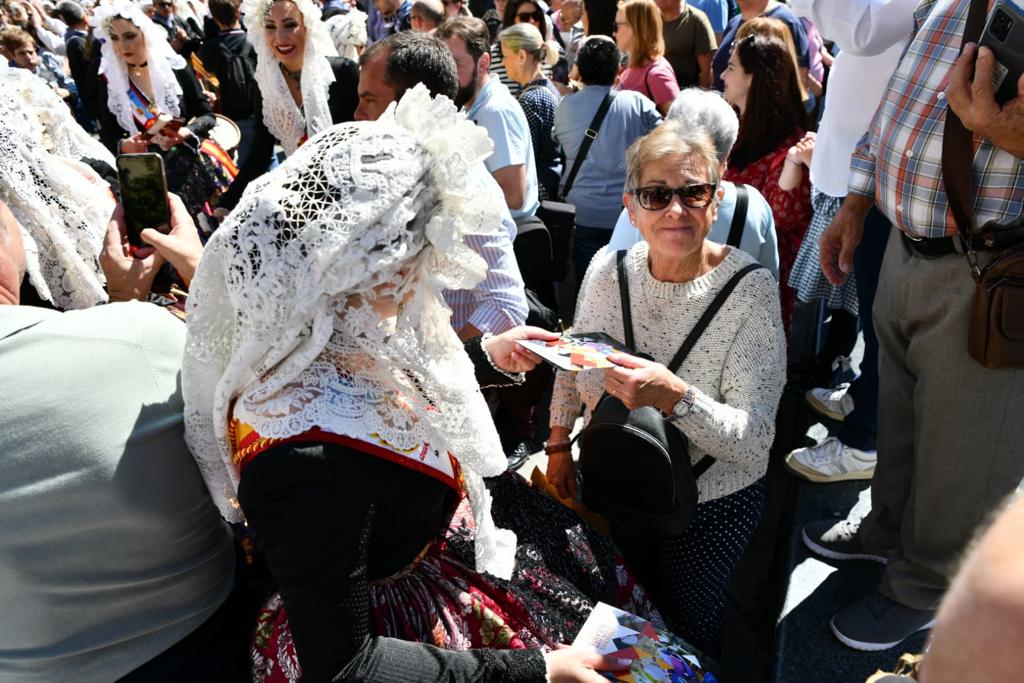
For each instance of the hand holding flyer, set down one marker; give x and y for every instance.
(576, 352)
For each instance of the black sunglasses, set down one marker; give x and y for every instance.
(535, 15)
(657, 197)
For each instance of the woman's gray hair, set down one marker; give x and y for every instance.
(669, 139)
(707, 109)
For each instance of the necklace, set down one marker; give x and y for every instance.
(294, 76)
(137, 69)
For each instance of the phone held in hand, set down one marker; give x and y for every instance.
(143, 195)
(1004, 35)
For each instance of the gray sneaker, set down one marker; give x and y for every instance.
(837, 539)
(878, 623)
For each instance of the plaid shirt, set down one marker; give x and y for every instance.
(899, 161)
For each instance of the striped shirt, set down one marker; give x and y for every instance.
(499, 302)
(899, 161)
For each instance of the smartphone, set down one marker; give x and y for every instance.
(1004, 35)
(143, 195)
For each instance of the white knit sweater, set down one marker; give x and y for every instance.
(737, 369)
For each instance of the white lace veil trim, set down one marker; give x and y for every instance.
(281, 316)
(348, 31)
(61, 204)
(162, 59)
(281, 116)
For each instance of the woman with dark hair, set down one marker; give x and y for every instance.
(762, 83)
(638, 35)
(523, 12)
(154, 103)
(303, 85)
(599, 17)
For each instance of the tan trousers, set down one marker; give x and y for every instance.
(950, 431)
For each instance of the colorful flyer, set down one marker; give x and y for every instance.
(576, 352)
(657, 655)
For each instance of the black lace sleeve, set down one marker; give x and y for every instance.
(487, 375)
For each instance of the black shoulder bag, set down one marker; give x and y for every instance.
(634, 465)
(560, 217)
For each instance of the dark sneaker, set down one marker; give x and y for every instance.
(878, 623)
(837, 539)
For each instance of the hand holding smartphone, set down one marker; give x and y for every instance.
(1004, 35)
(144, 195)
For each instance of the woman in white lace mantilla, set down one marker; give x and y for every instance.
(330, 403)
(52, 178)
(304, 86)
(154, 103)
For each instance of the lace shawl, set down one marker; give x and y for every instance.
(287, 123)
(163, 61)
(281, 313)
(61, 204)
(348, 31)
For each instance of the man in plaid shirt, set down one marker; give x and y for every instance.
(950, 431)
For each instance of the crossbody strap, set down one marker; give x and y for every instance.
(627, 316)
(958, 150)
(705, 320)
(698, 329)
(588, 139)
(739, 216)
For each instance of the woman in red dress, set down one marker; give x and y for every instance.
(761, 82)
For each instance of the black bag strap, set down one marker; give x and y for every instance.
(705, 320)
(627, 315)
(739, 216)
(588, 139)
(698, 329)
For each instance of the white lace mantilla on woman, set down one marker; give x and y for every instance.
(62, 205)
(162, 60)
(281, 312)
(290, 125)
(348, 31)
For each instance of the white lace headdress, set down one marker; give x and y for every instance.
(162, 60)
(280, 314)
(348, 31)
(280, 114)
(62, 205)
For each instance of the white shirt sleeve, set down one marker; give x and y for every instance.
(862, 27)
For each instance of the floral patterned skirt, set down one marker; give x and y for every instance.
(563, 567)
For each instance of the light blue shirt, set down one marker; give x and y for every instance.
(497, 111)
(597, 190)
(717, 11)
(758, 237)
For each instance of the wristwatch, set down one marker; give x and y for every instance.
(685, 404)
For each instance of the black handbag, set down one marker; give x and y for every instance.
(634, 465)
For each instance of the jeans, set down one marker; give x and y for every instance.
(860, 427)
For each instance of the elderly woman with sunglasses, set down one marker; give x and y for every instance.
(723, 397)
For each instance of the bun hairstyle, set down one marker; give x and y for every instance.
(527, 37)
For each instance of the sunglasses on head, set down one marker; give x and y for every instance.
(535, 15)
(163, 4)
(657, 197)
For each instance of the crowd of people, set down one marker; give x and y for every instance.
(281, 440)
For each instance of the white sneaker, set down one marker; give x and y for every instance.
(831, 460)
(833, 403)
